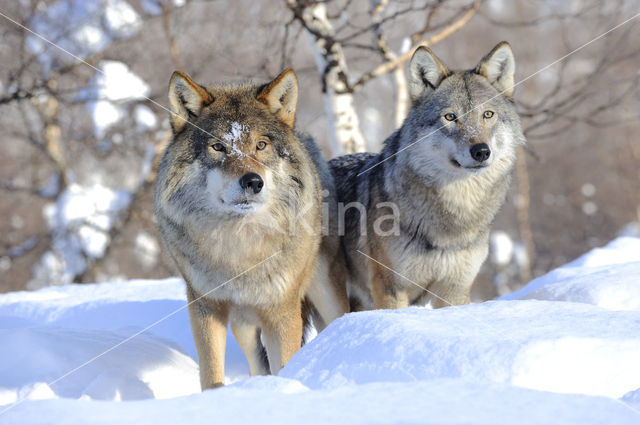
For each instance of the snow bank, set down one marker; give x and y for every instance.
(147, 367)
(273, 400)
(550, 346)
(607, 277)
(502, 362)
(130, 306)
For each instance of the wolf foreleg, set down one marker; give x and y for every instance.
(209, 328)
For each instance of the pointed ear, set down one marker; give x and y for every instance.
(498, 67)
(426, 72)
(281, 96)
(187, 99)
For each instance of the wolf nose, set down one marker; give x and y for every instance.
(480, 152)
(253, 181)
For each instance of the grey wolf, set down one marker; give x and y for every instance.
(239, 208)
(428, 199)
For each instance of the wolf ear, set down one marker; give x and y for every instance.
(187, 99)
(281, 96)
(498, 67)
(426, 72)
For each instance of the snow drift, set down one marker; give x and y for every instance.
(550, 346)
(562, 350)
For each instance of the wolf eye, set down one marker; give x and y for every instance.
(261, 145)
(450, 117)
(488, 114)
(218, 147)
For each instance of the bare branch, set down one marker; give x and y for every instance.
(167, 9)
(434, 39)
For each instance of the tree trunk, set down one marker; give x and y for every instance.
(343, 125)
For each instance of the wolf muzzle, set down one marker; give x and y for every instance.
(480, 152)
(252, 181)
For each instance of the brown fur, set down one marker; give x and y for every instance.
(251, 269)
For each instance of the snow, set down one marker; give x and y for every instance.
(147, 249)
(145, 118)
(589, 208)
(148, 367)
(406, 45)
(88, 27)
(104, 115)
(80, 221)
(563, 350)
(501, 248)
(269, 400)
(110, 90)
(117, 83)
(547, 346)
(235, 133)
(153, 7)
(614, 288)
(588, 190)
(120, 19)
(632, 398)
(81, 28)
(631, 229)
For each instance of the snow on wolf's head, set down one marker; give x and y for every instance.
(465, 120)
(234, 153)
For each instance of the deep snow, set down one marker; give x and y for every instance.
(562, 350)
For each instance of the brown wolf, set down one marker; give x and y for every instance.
(238, 204)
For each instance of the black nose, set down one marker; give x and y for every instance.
(480, 152)
(253, 181)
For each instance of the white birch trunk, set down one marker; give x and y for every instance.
(402, 88)
(344, 131)
(402, 97)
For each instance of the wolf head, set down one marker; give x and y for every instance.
(465, 121)
(232, 153)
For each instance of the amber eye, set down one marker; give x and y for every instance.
(218, 147)
(450, 117)
(488, 114)
(261, 145)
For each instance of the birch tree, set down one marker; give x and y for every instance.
(334, 27)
